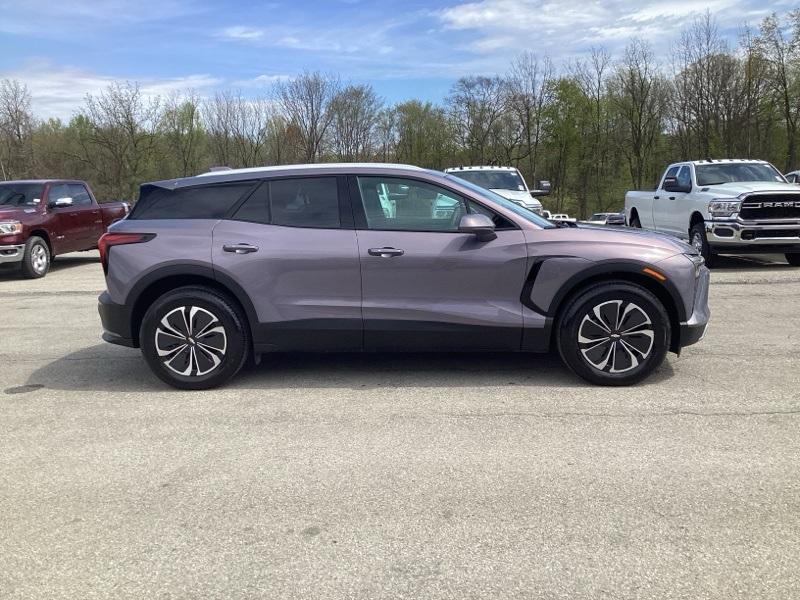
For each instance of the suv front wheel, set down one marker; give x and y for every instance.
(613, 333)
(194, 338)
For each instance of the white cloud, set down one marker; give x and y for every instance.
(568, 26)
(59, 92)
(240, 32)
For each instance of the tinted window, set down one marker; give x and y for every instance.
(717, 173)
(500, 222)
(20, 194)
(685, 177)
(408, 205)
(204, 202)
(256, 208)
(79, 195)
(58, 191)
(309, 202)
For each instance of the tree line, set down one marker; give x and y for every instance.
(593, 127)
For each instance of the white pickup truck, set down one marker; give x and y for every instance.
(723, 207)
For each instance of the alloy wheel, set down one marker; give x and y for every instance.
(39, 258)
(191, 341)
(616, 336)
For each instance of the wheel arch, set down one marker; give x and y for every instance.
(695, 219)
(631, 272)
(45, 236)
(159, 282)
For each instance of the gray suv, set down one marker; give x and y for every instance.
(211, 271)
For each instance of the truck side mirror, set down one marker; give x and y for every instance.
(543, 189)
(671, 185)
(62, 202)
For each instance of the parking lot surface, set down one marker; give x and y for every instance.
(400, 476)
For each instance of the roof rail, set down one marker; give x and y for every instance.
(219, 168)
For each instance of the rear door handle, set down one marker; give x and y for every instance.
(240, 248)
(385, 252)
(672, 197)
(656, 197)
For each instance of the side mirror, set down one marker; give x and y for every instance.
(671, 185)
(61, 202)
(542, 190)
(479, 225)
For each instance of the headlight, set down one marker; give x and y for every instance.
(697, 261)
(10, 227)
(724, 208)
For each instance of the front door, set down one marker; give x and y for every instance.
(425, 285)
(671, 209)
(292, 249)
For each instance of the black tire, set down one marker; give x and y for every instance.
(36, 258)
(638, 306)
(635, 222)
(698, 239)
(793, 259)
(203, 371)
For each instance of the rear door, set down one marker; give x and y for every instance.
(90, 216)
(69, 224)
(425, 285)
(292, 248)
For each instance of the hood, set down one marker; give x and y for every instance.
(520, 196)
(738, 188)
(604, 243)
(15, 212)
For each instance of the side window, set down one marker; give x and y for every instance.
(200, 202)
(80, 197)
(408, 205)
(307, 202)
(256, 208)
(685, 176)
(672, 172)
(500, 222)
(58, 190)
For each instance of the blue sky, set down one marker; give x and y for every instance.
(410, 48)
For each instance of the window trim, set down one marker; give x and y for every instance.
(345, 212)
(360, 216)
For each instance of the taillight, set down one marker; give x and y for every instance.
(118, 239)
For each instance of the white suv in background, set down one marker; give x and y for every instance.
(504, 181)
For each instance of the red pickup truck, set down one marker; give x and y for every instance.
(40, 219)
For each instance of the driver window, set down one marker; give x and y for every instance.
(392, 203)
(685, 177)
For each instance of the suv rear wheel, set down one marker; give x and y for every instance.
(613, 333)
(194, 338)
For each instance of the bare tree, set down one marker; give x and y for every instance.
(16, 127)
(476, 104)
(530, 90)
(306, 103)
(355, 111)
(639, 94)
(783, 57)
(182, 129)
(118, 136)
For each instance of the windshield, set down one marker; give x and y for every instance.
(494, 180)
(504, 202)
(726, 173)
(20, 194)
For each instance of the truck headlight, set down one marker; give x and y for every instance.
(10, 227)
(724, 208)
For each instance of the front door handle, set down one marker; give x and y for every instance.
(672, 197)
(385, 252)
(240, 248)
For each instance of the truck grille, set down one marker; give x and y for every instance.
(768, 207)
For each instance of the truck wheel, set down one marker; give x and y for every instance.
(697, 236)
(793, 259)
(613, 333)
(36, 258)
(194, 338)
(635, 223)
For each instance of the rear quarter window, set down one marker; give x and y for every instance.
(199, 202)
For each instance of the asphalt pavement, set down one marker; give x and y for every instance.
(400, 476)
